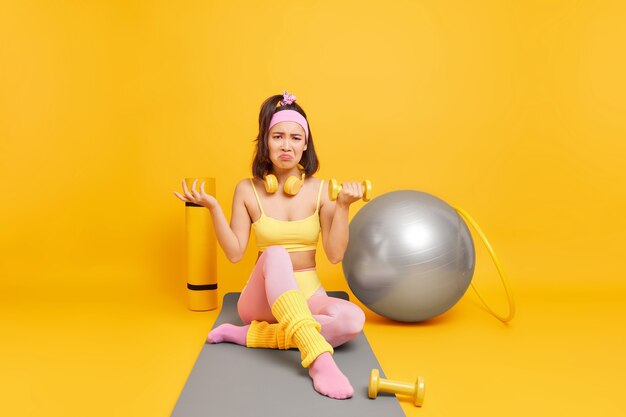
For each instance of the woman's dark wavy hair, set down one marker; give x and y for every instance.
(261, 163)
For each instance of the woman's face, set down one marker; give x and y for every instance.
(286, 143)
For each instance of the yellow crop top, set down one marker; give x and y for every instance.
(295, 235)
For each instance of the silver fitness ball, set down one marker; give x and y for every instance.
(410, 256)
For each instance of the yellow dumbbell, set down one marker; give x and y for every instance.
(378, 384)
(334, 188)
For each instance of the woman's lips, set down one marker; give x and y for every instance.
(285, 157)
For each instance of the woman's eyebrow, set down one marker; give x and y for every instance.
(280, 132)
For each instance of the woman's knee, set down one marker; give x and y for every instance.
(276, 254)
(346, 321)
(275, 250)
(276, 258)
(353, 318)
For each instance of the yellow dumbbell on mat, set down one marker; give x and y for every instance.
(378, 384)
(334, 188)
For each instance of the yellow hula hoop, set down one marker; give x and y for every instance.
(496, 261)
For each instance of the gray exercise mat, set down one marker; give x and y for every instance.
(229, 380)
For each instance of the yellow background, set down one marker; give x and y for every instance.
(513, 110)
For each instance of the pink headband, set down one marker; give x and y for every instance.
(290, 116)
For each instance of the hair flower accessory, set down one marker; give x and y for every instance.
(287, 99)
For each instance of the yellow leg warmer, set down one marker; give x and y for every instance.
(300, 328)
(262, 334)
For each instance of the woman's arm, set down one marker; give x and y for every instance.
(232, 238)
(239, 225)
(334, 220)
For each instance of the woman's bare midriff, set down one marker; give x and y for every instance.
(301, 260)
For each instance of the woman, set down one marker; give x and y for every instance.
(283, 303)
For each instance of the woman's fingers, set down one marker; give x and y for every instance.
(186, 192)
(191, 194)
(193, 187)
(180, 196)
(358, 189)
(353, 189)
(346, 188)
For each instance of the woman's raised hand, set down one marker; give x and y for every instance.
(350, 192)
(197, 197)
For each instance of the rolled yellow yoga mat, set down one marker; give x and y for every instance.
(201, 252)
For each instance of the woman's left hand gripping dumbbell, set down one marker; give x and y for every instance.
(199, 197)
(350, 192)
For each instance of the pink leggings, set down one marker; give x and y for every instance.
(341, 320)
